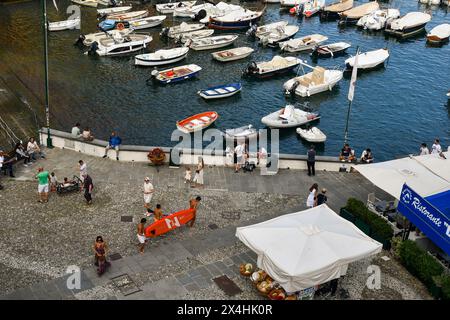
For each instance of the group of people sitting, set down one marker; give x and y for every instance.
(85, 135)
(28, 154)
(348, 154)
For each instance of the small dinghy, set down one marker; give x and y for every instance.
(270, 68)
(313, 7)
(197, 122)
(369, 60)
(90, 38)
(408, 25)
(232, 54)
(235, 20)
(184, 27)
(431, 2)
(211, 42)
(148, 22)
(289, 117)
(110, 3)
(265, 29)
(64, 25)
(118, 45)
(176, 74)
(161, 57)
(87, 3)
(313, 135)
(199, 34)
(319, 80)
(292, 3)
(331, 50)
(190, 12)
(377, 20)
(127, 16)
(107, 25)
(302, 44)
(219, 10)
(245, 132)
(166, 8)
(223, 91)
(114, 10)
(332, 11)
(439, 34)
(277, 35)
(352, 16)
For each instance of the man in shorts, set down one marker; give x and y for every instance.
(148, 192)
(239, 151)
(43, 181)
(141, 235)
(193, 204)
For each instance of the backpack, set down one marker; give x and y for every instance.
(249, 167)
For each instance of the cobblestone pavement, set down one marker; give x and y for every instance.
(39, 241)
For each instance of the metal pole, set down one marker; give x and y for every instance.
(47, 109)
(348, 119)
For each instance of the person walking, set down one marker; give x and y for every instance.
(88, 187)
(311, 162)
(322, 198)
(43, 181)
(100, 252)
(141, 235)
(311, 201)
(114, 142)
(198, 178)
(239, 151)
(193, 204)
(148, 192)
(83, 169)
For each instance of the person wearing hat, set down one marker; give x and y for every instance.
(148, 192)
(322, 198)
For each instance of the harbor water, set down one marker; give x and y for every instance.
(394, 110)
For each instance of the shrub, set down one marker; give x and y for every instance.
(445, 285)
(378, 225)
(420, 263)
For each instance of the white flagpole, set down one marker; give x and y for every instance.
(351, 92)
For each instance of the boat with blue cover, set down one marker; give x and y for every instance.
(222, 91)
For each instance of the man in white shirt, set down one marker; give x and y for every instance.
(424, 149)
(76, 131)
(436, 147)
(83, 169)
(148, 192)
(239, 151)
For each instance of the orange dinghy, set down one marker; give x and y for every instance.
(197, 122)
(170, 222)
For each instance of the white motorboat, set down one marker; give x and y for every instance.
(232, 54)
(211, 42)
(271, 1)
(127, 16)
(369, 60)
(278, 34)
(244, 132)
(319, 80)
(184, 27)
(190, 12)
(148, 22)
(289, 117)
(408, 25)
(109, 3)
(183, 37)
(303, 43)
(313, 134)
(292, 3)
(88, 39)
(118, 45)
(332, 10)
(439, 34)
(312, 7)
(161, 57)
(235, 20)
(87, 3)
(64, 25)
(166, 8)
(219, 10)
(265, 29)
(270, 68)
(431, 2)
(352, 16)
(331, 50)
(114, 10)
(377, 20)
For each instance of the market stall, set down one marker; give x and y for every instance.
(304, 249)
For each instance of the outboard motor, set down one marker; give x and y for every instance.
(113, 3)
(251, 68)
(93, 48)
(164, 32)
(252, 30)
(153, 74)
(80, 40)
(291, 90)
(200, 15)
(101, 17)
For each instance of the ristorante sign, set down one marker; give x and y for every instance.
(431, 221)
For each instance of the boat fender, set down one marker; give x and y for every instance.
(329, 87)
(120, 26)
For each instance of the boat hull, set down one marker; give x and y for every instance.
(178, 79)
(322, 54)
(213, 46)
(273, 73)
(406, 32)
(150, 63)
(233, 58)
(235, 25)
(202, 94)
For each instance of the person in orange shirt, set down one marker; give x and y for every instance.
(193, 204)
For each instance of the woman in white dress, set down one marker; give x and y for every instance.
(199, 174)
(311, 202)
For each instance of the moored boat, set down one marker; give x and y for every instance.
(148, 22)
(184, 27)
(184, 37)
(313, 134)
(86, 3)
(332, 11)
(118, 45)
(166, 8)
(369, 60)
(107, 25)
(270, 68)
(289, 117)
(190, 12)
(244, 132)
(278, 34)
(408, 25)
(292, 3)
(222, 91)
(232, 54)
(113, 10)
(176, 74)
(64, 25)
(128, 15)
(88, 39)
(161, 57)
(209, 43)
(431, 2)
(304, 43)
(259, 31)
(352, 16)
(313, 7)
(331, 50)
(439, 34)
(197, 122)
(377, 20)
(235, 20)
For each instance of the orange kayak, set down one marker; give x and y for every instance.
(197, 122)
(168, 223)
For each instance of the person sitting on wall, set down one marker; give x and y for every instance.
(347, 154)
(367, 156)
(76, 131)
(87, 134)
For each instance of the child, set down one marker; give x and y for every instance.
(187, 175)
(53, 182)
(158, 212)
